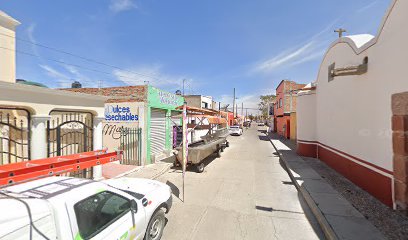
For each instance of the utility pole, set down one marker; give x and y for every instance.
(183, 85)
(242, 109)
(233, 105)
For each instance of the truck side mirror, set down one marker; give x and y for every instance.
(133, 206)
(133, 210)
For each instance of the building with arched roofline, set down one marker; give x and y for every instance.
(348, 116)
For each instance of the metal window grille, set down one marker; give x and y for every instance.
(131, 145)
(15, 130)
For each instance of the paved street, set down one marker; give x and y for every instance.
(246, 194)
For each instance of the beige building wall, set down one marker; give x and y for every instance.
(8, 45)
(193, 101)
(113, 129)
(306, 115)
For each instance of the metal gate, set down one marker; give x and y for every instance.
(70, 133)
(131, 145)
(15, 129)
(158, 131)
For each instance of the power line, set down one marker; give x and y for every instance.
(247, 108)
(78, 56)
(30, 217)
(69, 64)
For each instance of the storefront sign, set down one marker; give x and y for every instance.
(162, 99)
(168, 98)
(120, 113)
(118, 118)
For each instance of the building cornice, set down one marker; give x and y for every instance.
(7, 21)
(27, 89)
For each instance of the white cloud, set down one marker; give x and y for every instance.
(30, 34)
(366, 7)
(312, 49)
(250, 101)
(285, 58)
(149, 73)
(54, 73)
(62, 79)
(84, 80)
(117, 6)
(314, 55)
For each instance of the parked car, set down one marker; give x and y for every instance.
(73, 208)
(247, 124)
(235, 130)
(261, 124)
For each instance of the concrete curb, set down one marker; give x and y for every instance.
(321, 219)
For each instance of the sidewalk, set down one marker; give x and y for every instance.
(151, 171)
(336, 216)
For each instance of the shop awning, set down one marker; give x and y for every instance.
(198, 111)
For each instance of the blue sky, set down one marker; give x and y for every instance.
(216, 45)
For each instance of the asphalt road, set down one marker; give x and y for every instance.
(245, 194)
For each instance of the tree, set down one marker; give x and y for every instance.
(266, 100)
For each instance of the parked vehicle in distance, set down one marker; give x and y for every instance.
(235, 130)
(261, 124)
(74, 208)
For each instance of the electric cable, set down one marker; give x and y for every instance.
(32, 226)
(68, 64)
(78, 56)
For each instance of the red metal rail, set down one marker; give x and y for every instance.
(25, 171)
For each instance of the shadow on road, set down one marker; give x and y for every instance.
(263, 138)
(192, 168)
(174, 189)
(270, 209)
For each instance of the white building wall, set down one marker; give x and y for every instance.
(208, 101)
(354, 112)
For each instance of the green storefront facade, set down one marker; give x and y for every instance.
(161, 105)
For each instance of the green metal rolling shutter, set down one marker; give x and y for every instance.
(158, 131)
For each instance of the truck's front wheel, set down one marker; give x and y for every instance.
(156, 225)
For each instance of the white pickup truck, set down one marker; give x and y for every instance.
(73, 208)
